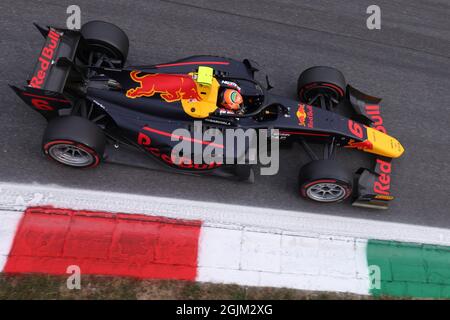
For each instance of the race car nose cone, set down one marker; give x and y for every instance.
(384, 144)
(397, 148)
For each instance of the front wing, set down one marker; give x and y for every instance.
(373, 186)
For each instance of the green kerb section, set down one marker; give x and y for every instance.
(409, 270)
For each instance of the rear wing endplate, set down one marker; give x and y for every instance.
(44, 91)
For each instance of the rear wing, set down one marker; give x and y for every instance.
(372, 185)
(44, 91)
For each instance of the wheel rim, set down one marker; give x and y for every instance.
(326, 192)
(71, 155)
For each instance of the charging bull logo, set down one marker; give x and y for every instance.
(171, 87)
(363, 145)
(301, 114)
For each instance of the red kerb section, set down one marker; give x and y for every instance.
(49, 240)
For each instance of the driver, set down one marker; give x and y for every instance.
(231, 100)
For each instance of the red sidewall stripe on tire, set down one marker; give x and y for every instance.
(322, 85)
(79, 145)
(341, 92)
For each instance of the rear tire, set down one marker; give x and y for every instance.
(74, 142)
(104, 37)
(324, 181)
(321, 80)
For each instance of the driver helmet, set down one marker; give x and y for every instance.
(231, 99)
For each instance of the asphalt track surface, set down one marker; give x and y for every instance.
(407, 63)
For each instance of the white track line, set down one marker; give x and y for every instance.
(18, 196)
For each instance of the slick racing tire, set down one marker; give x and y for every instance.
(324, 181)
(104, 37)
(74, 141)
(321, 80)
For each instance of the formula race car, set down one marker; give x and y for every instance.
(98, 110)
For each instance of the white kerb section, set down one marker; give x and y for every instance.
(254, 258)
(9, 221)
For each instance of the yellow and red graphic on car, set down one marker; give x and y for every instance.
(362, 145)
(301, 114)
(305, 115)
(377, 142)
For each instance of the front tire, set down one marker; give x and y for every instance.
(327, 81)
(324, 181)
(74, 141)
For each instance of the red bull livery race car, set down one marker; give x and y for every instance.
(99, 110)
